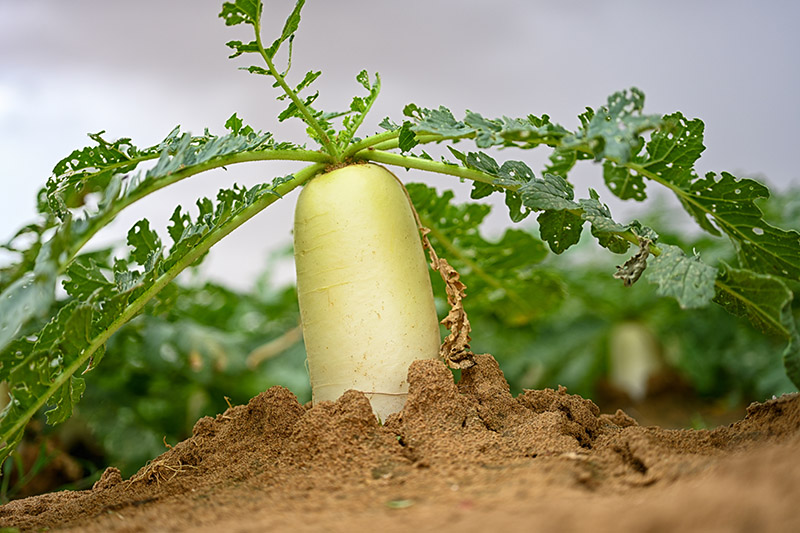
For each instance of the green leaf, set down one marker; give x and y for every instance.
(388, 124)
(241, 12)
(516, 210)
(760, 298)
(791, 358)
(770, 250)
(560, 229)
(65, 399)
(687, 279)
(240, 48)
(550, 193)
(613, 131)
(674, 148)
(563, 218)
(437, 121)
(236, 126)
(359, 107)
(719, 203)
(626, 184)
(29, 296)
(43, 369)
(766, 302)
(562, 160)
(530, 132)
(143, 241)
(35, 365)
(289, 28)
(407, 138)
(306, 82)
(604, 228)
(729, 203)
(90, 169)
(487, 132)
(85, 277)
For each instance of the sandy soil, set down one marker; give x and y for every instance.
(466, 457)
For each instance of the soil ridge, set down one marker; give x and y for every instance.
(472, 436)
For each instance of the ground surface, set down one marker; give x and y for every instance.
(464, 457)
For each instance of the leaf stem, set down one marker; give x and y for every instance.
(359, 118)
(118, 206)
(419, 163)
(308, 118)
(134, 307)
(368, 142)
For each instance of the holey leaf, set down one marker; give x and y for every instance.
(729, 203)
(719, 203)
(560, 229)
(767, 302)
(613, 131)
(562, 219)
(674, 147)
(438, 121)
(626, 184)
(687, 279)
(241, 12)
(501, 276)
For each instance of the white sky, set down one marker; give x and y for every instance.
(139, 68)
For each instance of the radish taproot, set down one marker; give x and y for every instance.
(365, 296)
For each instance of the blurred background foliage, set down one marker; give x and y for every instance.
(204, 346)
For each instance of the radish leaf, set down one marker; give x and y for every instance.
(687, 279)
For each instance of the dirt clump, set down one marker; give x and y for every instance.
(466, 456)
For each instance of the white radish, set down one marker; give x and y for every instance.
(366, 302)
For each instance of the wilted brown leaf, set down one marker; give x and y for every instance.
(455, 348)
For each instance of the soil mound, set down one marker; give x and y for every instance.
(467, 456)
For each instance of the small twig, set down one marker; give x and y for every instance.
(275, 347)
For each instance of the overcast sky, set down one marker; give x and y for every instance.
(139, 68)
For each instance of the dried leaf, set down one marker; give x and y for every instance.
(632, 270)
(455, 348)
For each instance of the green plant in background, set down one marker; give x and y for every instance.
(48, 343)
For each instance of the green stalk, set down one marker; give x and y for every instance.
(424, 138)
(418, 163)
(688, 198)
(308, 118)
(391, 158)
(134, 307)
(118, 206)
(370, 141)
(350, 131)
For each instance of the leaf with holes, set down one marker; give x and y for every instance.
(560, 229)
(687, 279)
(625, 183)
(613, 131)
